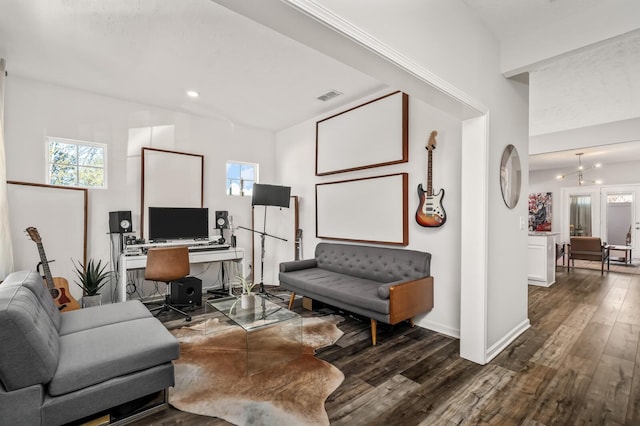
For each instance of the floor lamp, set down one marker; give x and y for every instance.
(267, 195)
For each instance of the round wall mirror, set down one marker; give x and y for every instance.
(510, 176)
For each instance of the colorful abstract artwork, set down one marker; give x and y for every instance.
(540, 212)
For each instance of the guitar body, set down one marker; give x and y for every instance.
(430, 212)
(62, 296)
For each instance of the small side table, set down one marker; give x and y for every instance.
(627, 253)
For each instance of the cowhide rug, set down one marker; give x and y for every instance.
(212, 378)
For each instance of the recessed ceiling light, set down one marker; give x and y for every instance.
(192, 94)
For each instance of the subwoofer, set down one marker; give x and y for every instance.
(222, 219)
(186, 291)
(120, 222)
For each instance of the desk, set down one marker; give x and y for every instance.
(140, 261)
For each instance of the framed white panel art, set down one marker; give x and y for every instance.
(370, 135)
(373, 210)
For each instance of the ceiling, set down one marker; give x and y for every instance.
(153, 51)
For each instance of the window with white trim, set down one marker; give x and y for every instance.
(240, 178)
(76, 163)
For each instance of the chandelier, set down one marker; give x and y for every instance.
(579, 171)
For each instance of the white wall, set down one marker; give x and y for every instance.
(34, 110)
(295, 150)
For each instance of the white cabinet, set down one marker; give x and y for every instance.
(542, 258)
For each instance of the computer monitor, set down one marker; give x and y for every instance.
(178, 223)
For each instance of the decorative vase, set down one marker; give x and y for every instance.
(88, 301)
(247, 301)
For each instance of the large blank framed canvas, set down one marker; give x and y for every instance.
(170, 179)
(370, 135)
(60, 216)
(373, 209)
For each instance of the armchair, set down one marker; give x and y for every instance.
(589, 248)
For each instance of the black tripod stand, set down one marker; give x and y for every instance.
(263, 234)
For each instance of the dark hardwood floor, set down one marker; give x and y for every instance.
(577, 364)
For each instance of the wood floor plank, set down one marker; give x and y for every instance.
(623, 342)
(607, 312)
(607, 398)
(468, 402)
(513, 403)
(431, 394)
(516, 357)
(589, 347)
(366, 408)
(633, 410)
(561, 399)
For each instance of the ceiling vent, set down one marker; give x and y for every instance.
(329, 95)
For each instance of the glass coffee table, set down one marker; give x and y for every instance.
(273, 333)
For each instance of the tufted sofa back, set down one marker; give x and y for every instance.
(374, 263)
(30, 342)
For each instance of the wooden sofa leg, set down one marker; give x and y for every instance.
(374, 331)
(293, 296)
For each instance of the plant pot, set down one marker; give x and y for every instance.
(247, 301)
(89, 301)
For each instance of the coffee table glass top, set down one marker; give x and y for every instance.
(264, 313)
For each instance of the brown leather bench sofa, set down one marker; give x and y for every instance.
(589, 248)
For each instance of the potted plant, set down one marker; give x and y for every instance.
(247, 298)
(92, 277)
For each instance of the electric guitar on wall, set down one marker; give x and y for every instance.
(58, 286)
(430, 212)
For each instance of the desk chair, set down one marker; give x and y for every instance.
(167, 264)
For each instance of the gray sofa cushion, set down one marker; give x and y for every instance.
(35, 283)
(29, 341)
(97, 316)
(93, 356)
(373, 263)
(348, 289)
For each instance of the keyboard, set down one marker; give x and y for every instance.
(208, 247)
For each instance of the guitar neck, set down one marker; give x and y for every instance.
(45, 266)
(429, 174)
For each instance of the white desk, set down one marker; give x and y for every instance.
(128, 263)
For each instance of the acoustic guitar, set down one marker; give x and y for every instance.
(430, 212)
(58, 286)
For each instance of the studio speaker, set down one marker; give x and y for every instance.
(186, 291)
(222, 219)
(120, 222)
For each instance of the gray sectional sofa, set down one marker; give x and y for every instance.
(384, 284)
(59, 367)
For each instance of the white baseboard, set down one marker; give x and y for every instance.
(440, 328)
(501, 344)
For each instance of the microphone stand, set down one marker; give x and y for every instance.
(263, 234)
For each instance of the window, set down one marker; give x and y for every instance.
(76, 163)
(241, 177)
